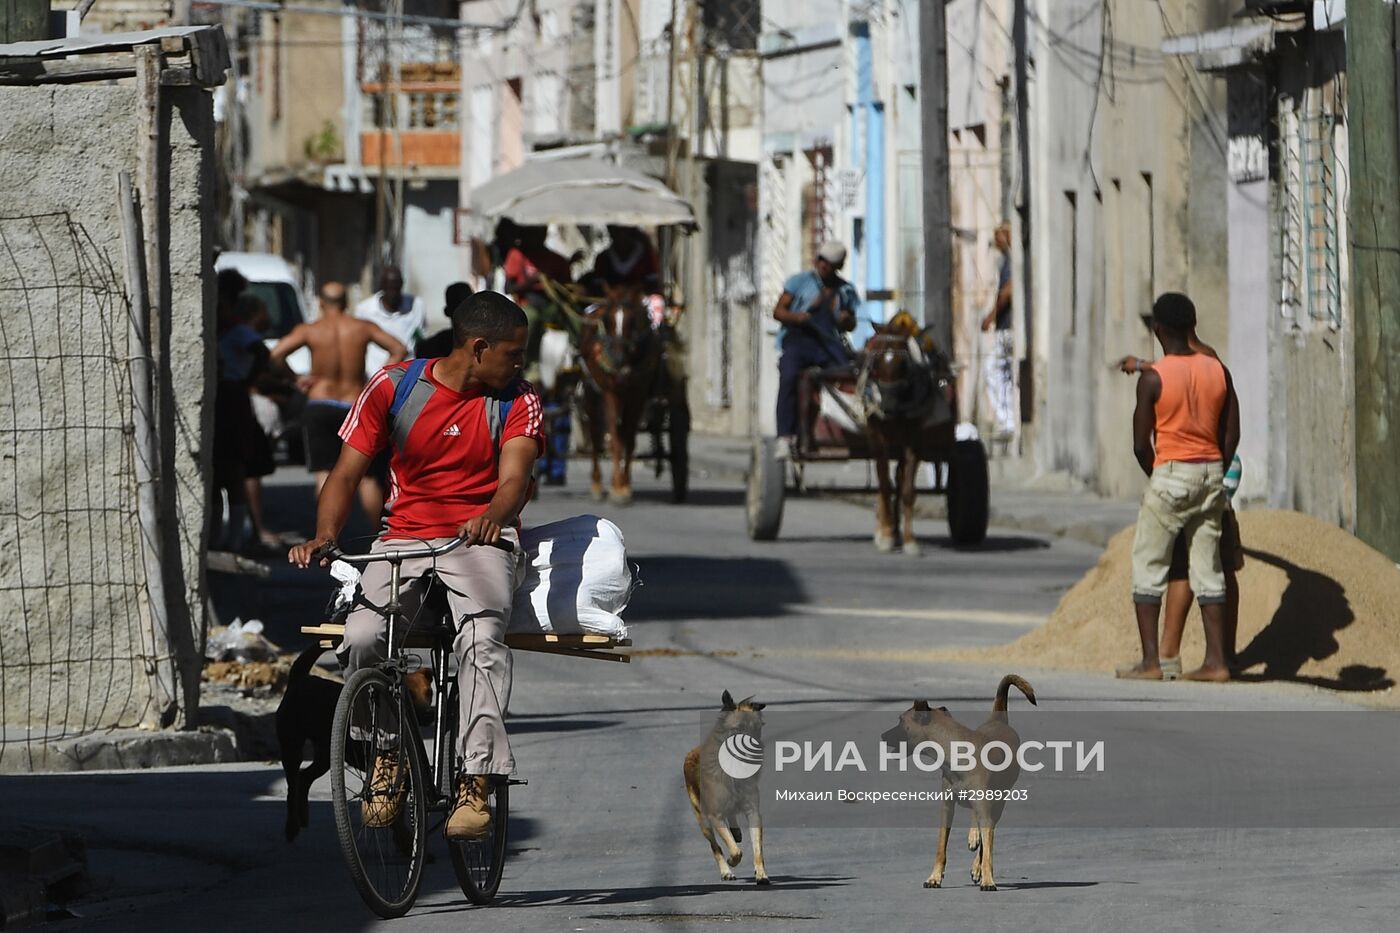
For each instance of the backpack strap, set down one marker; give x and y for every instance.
(498, 412)
(411, 394)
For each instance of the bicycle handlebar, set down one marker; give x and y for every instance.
(398, 555)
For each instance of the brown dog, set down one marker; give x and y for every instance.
(718, 797)
(922, 724)
(306, 714)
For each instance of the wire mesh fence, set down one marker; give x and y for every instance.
(77, 650)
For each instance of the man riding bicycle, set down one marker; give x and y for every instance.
(463, 431)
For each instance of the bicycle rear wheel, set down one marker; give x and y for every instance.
(478, 863)
(378, 791)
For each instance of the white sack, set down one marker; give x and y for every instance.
(577, 579)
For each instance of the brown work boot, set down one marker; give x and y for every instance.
(471, 818)
(385, 795)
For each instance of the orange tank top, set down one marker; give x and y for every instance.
(1188, 410)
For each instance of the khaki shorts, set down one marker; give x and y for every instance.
(1185, 499)
(1231, 550)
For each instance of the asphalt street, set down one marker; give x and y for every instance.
(602, 837)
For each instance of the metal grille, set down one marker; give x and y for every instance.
(1309, 235)
(76, 644)
(1291, 263)
(818, 216)
(1320, 204)
(773, 211)
(731, 23)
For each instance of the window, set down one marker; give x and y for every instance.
(1072, 226)
(432, 110)
(547, 92)
(1118, 251)
(818, 199)
(1310, 280)
(1149, 198)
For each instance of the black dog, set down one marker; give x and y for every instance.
(305, 715)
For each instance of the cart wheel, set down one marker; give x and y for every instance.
(968, 493)
(765, 492)
(679, 430)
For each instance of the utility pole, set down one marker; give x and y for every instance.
(381, 191)
(680, 118)
(938, 222)
(1023, 282)
(1373, 94)
(668, 237)
(388, 205)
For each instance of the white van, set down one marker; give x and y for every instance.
(273, 280)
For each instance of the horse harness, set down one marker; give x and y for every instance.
(910, 398)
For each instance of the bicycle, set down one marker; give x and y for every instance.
(376, 725)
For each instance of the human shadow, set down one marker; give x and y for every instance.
(705, 496)
(556, 724)
(734, 587)
(649, 893)
(992, 544)
(1312, 610)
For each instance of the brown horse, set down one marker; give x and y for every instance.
(907, 388)
(620, 353)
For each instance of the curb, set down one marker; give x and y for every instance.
(121, 750)
(225, 736)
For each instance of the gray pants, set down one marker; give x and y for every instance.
(480, 583)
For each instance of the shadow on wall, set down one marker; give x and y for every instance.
(1312, 610)
(691, 587)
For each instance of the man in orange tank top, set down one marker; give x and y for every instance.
(1185, 428)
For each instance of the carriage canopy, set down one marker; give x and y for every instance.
(580, 191)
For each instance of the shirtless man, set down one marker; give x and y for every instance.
(337, 342)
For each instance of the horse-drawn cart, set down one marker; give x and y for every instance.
(836, 407)
(631, 372)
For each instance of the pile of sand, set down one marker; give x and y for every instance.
(1317, 606)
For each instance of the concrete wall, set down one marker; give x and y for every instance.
(979, 62)
(68, 531)
(723, 327)
(1130, 200)
(430, 259)
(1312, 431)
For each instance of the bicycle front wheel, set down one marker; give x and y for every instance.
(378, 792)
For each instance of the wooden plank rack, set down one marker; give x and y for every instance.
(601, 647)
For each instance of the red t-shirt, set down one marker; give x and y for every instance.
(519, 266)
(447, 472)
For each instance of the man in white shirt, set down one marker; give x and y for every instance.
(401, 314)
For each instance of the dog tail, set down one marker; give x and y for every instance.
(999, 706)
(301, 667)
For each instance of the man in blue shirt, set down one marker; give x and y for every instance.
(815, 309)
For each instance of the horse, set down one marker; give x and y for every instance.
(621, 354)
(907, 388)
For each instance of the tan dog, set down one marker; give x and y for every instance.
(921, 724)
(719, 799)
